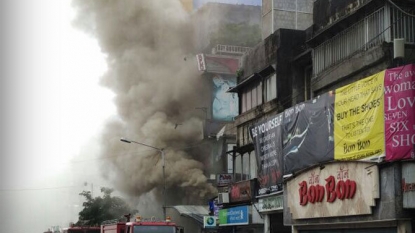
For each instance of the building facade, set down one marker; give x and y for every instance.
(319, 125)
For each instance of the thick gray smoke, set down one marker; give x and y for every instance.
(146, 42)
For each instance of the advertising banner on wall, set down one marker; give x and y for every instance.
(266, 136)
(224, 104)
(308, 133)
(359, 120)
(400, 113)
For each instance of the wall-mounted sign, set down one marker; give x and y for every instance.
(408, 185)
(234, 216)
(209, 221)
(224, 179)
(271, 203)
(241, 191)
(201, 65)
(339, 189)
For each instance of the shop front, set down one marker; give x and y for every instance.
(238, 214)
(271, 208)
(348, 197)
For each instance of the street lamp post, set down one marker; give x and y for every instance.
(161, 150)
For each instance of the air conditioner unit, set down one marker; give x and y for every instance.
(223, 198)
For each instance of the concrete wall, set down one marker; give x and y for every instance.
(326, 12)
(209, 17)
(287, 14)
(278, 49)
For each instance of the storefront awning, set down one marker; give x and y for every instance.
(193, 211)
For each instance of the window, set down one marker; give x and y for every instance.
(243, 100)
(270, 87)
(254, 96)
(253, 167)
(246, 166)
(259, 93)
(251, 97)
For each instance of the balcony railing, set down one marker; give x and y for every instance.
(230, 49)
(383, 25)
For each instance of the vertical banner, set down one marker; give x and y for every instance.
(224, 104)
(266, 136)
(201, 64)
(400, 113)
(308, 133)
(358, 119)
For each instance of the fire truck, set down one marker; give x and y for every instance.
(74, 229)
(142, 226)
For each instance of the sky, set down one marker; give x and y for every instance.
(52, 109)
(58, 123)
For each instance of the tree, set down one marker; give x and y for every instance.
(98, 209)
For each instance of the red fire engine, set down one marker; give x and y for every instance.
(142, 226)
(74, 229)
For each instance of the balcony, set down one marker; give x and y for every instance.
(383, 25)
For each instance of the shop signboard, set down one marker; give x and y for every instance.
(234, 216)
(338, 189)
(271, 203)
(408, 185)
(209, 221)
(241, 191)
(224, 179)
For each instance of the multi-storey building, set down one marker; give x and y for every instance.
(291, 89)
(218, 60)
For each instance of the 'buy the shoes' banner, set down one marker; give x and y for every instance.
(400, 113)
(359, 120)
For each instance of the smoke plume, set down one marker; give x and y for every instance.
(157, 91)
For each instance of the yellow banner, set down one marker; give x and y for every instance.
(358, 119)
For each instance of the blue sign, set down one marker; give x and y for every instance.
(209, 221)
(234, 216)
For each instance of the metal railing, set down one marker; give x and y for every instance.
(383, 25)
(405, 26)
(230, 49)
